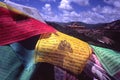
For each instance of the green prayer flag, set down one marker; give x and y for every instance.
(110, 59)
(10, 64)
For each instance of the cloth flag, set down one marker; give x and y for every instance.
(30, 11)
(16, 26)
(63, 50)
(110, 60)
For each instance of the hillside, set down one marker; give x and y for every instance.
(112, 25)
(104, 35)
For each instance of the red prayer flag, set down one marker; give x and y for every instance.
(15, 26)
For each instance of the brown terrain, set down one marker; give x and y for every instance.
(104, 34)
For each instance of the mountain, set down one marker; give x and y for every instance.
(115, 25)
(104, 34)
(88, 26)
(112, 25)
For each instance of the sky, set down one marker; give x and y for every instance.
(88, 11)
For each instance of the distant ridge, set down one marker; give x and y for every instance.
(112, 25)
(104, 34)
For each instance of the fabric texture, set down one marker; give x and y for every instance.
(95, 60)
(61, 74)
(11, 66)
(25, 51)
(27, 58)
(63, 50)
(30, 11)
(95, 71)
(109, 59)
(16, 26)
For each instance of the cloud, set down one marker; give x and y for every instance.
(85, 16)
(48, 14)
(95, 15)
(107, 10)
(50, 18)
(110, 13)
(67, 16)
(47, 7)
(98, 14)
(81, 2)
(47, 10)
(65, 4)
(115, 3)
(68, 13)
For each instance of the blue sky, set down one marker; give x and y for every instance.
(88, 11)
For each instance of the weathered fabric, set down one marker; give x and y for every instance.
(95, 71)
(30, 11)
(61, 74)
(16, 26)
(63, 50)
(27, 58)
(11, 66)
(109, 59)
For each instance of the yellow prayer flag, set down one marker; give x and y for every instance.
(63, 50)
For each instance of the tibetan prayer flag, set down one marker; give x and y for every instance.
(63, 50)
(110, 59)
(30, 11)
(16, 26)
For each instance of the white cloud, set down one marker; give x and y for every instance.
(91, 17)
(65, 4)
(74, 14)
(115, 3)
(81, 2)
(88, 20)
(50, 18)
(110, 13)
(68, 13)
(67, 16)
(70, 16)
(107, 10)
(47, 10)
(47, 7)
(98, 14)
(48, 14)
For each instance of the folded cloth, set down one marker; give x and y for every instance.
(30, 11)
(27, 58)
(61, 74)
(95, 60)
(11, 66)
(63, 50)
(95, 71)
(109, 59)
(16, 26)
(117, 76)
